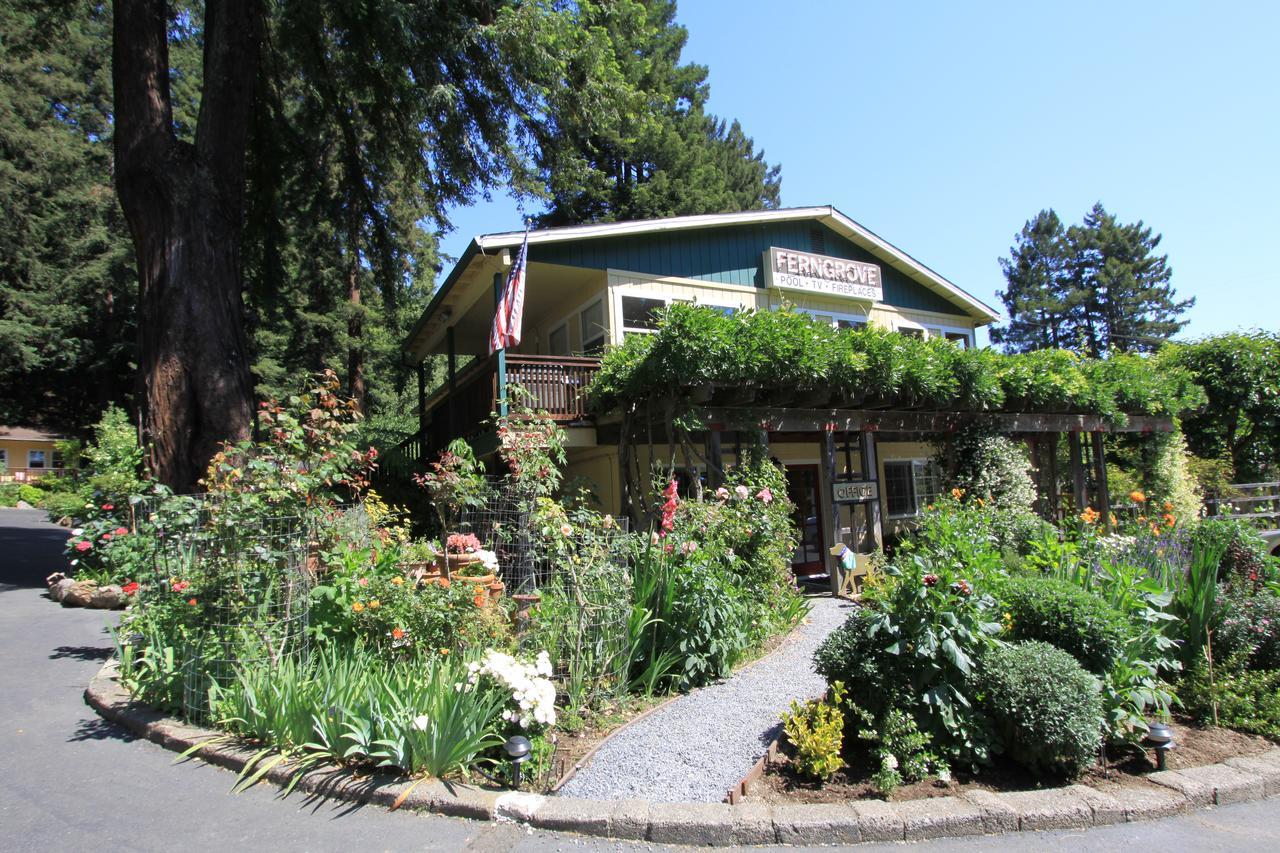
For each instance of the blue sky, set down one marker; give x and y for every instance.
(943, 127)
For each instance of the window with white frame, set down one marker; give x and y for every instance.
(961, 338)
(4, 459)
(35, 459)
(839, 321)
(594, 329)
(640, 313)
(910, 485)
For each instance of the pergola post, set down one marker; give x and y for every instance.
(1051, 448)
(1077, 472)
(874, 537)
(452, 350)
(833, 538)
(1100, 476)
(715, 459)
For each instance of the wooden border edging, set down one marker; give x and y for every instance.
(743, 788)
(720, 824)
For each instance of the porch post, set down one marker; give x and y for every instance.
(500, 375)
(453, 381)
(422, 400)
(715, 459)
(833, 539)
(1077, 471)
(1100, 472)
(871, 471)
(1052, 459)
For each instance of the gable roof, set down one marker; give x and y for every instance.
(881, 249)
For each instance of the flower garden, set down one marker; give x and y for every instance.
(290, 607)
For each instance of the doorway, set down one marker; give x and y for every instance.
(803, 488)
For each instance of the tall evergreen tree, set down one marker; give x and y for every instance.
(1095, 287)
(66, 285)
(659, 153)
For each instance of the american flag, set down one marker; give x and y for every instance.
(509, 317)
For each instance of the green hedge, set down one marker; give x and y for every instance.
(779, 352)
(1064, 615)
(1046, 709)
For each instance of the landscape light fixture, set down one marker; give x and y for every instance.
(517, 748)
(1160, 738)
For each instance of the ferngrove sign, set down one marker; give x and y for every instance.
(789, 269)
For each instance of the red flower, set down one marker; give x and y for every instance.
(930, 579)
(180, 586)
(108, 507)
(130, 588)
(121, 531)
(83, 546)
(191, 601)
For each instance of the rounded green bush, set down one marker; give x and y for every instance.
(850, 655)
(1047, 711)
(1064, 615)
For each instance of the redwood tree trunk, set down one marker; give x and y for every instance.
(184, 204)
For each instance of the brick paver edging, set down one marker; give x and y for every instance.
(975, 813)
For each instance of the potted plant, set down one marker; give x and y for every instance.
(420, 561)
(467, 562)
(455, 482)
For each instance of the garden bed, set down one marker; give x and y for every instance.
(1197, 746)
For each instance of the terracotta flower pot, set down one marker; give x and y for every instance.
(495, 590)
(451, 564)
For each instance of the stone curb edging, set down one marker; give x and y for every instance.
(975, 813)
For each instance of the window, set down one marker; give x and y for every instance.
(640, 313)
(909, 486)
(35, 458)
(910, 332)
(839, 321)
(558, 340)
(960, 338)
(594, 329)
(4, 459)
(851, 324)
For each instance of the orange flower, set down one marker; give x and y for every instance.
(397, 581)
(1112, 519)
(1142, 519)
(397, 633)
(192, 602)
(375, 604)
(1168, 507)
(1090, 515)
(357, 607)
(1170, 520)
(957, 493)
(444, 651)
(1137, 496)
(479, 600)
(979, 502)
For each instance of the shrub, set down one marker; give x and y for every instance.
(9, 494)
(1046, 709)
(852, 655)
(816, 730)
(30, 494)
(1250, 628)
(1245, 700)
(901, 750)
(992, 467)
(1064, 615)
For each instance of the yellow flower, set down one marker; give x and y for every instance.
(979, 502)
(397, 581)
(375, 604)
(358, 607)
(1137, 496)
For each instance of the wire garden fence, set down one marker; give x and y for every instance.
(237, 595)
(570, 570)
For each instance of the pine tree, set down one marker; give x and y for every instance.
(1094, 287)
(655, 152)
(67, 289)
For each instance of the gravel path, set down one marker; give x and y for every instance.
(699, 746)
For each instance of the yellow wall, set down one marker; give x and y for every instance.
(17, 452)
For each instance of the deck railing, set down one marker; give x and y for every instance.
(1256, 503)
(28, 475)
(556, 385)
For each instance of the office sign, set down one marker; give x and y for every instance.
(858, 492)
(788, 269)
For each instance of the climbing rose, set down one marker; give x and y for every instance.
(83, 546)
(121, 531)
(180, 586)
(742, 492)
(765, 495)
(722, 494)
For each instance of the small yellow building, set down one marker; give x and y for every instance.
(27, 454)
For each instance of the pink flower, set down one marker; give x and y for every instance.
(722, 494)
(181, 585)
(689, 547)
(765, 495)
(121, 531)
(742, 492)
(363, 581)
(108, 507)
(83, 546)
